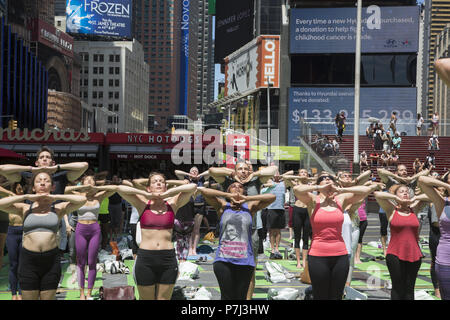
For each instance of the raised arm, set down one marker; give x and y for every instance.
(219, 174)
(304, 193)
(428, 185)
(214, 198)
(70, 203)
(259, 202)
(140, 183)
(179, 196)
(385, 199)
(104, 192)
(385, 174)
(181, 174)
(175, 183)
(136, 197)
(363, 178)
(12, 172)
(265, 174)
(14, 204)
(74, 169)
(352, 195)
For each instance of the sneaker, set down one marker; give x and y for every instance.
(273, 256)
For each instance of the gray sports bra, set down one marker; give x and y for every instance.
(88, 212)
(36, 222)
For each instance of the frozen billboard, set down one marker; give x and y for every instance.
(333, 30)
(99, 17)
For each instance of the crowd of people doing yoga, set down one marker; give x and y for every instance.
(327, 214)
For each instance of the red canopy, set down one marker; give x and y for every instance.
(6, 153)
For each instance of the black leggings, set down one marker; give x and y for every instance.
(233, 279)
(300, 222)
(328, 276)
(383, 224)
(362, 230)
(433, 241)
(403, 276)
(14, 245)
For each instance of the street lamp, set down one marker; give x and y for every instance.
(357, 89)
(269, 142)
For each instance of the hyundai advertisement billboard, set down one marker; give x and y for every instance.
(99, 17)
(333, 30)
(319, 106)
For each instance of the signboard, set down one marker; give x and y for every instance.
(333, 30)
(184, 57)
(48, 35)
(253, 66)
(234, 26)
(99, 17)
(319, 106)
(279, 153)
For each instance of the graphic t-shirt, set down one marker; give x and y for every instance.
(235, 243)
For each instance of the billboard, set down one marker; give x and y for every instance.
(253, 66)
(333, 30)
(48, 35)
(99, 17)
(319, 106)
(184, 57)
(234, 26)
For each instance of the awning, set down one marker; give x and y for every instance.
(6, 153)
(67, 148)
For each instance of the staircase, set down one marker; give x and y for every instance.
(410, 149)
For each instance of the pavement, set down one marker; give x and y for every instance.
(369, 278)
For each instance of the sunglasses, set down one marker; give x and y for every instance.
(324, 177)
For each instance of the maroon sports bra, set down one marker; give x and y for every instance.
(151, 220)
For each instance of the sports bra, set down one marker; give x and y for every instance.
(86, 213)
(151, 220)
(41, 222)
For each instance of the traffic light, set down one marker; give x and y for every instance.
(12, 124)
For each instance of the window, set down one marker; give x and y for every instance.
(100, 82)
(95, 70)
(116, 107)
(100, 70)
(111, 58)
(101, 57)
(116, 82)
(117, 70)
(94, 94)
(100, 94)
(109, 119)
(111, 82)
(110, 94)
(116, 95)
(111, 70)
(86, 57)
(117, 57)
(110, 107)
(95, 57)
(94, 82)
(86, 82)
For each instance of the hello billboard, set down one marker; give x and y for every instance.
(333, 30)
(99, 17)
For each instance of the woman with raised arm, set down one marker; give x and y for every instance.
(234, 263)
(156, 268)
(442, 206)
(403, 255)
(39, 262)
(87, 232)
(328, 257)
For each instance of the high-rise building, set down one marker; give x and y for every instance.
(174, 90)
(114, 81)
(41, 9)
(156, 27)
(201, 70)
(439, 17)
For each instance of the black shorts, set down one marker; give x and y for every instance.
(4, 226)
(155, 267)
(200, 210)
(383, 224)
(104, 218)
(39, 270)
(276, 219)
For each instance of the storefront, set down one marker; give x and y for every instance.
(68, 145)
